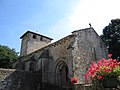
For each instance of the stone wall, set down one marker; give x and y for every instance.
(33, 46)
(11, 79)
(32, 41)
(61, 56)
(23, 50)
(88, 47)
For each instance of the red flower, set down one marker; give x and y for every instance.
(101, 68)
(109, 55)
(74, 80)
(99, 77)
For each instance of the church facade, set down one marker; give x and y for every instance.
(55, 63)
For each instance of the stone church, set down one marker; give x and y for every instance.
(43, 63)
(63, 59)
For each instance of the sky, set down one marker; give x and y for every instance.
(53, 18)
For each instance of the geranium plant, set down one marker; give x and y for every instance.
(73, 80)
(103, 68)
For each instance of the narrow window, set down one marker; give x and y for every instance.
(34, 36)
(23, 66)
(41, 38)
(94, 54)
(31, 66)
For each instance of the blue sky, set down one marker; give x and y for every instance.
(18, 16)
(53, 18)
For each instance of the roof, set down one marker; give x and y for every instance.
(86, 29)
(35, 34)
(82, 29)
(49, 45)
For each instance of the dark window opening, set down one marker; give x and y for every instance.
(94, 53)
(31, 66)
(41, 38)
(23, 66)
(34, 36)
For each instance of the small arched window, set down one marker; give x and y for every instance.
(34, 36)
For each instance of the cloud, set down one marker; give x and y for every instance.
(97, 12)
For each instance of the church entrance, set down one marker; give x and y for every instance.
(62, 74)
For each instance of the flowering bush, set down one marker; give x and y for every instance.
(73, 80)
(104, 67)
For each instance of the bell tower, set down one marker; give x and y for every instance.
(32, 41)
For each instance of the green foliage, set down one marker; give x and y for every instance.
(111, 37)
(117, 70)
(7, 56)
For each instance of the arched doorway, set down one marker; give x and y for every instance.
(61, 74)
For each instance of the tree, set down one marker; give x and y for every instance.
(7, 56)
(111, 37)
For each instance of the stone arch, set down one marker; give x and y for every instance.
(61, 73)
(32, 63)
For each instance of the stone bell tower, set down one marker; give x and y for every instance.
(33, 41)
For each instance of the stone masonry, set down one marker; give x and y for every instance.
(53, 64)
